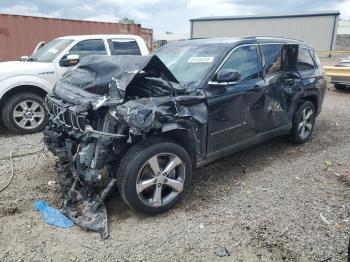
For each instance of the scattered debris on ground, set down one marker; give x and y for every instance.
(222, 252)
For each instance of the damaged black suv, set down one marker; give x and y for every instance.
(147, 122)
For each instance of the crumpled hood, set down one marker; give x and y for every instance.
(97, 76)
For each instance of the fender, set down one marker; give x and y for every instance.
(23, 80)
(312, 92)
(298, 97)
(192, 136)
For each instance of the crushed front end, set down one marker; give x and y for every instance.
(85, 159)
(99, 110)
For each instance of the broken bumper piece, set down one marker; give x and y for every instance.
(88, 212)
(80, 168)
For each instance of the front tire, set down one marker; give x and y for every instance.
(154, 175)
(24, 113)
(303, 122)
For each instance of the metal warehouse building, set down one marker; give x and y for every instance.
(318, 29)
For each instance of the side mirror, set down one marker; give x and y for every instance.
(24, 58)
(227, 75)
(69, 60)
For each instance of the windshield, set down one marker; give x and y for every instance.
(189, 63)
(50, 51)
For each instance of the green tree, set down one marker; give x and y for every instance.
(127, 21)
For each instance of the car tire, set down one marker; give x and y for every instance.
(24, 113)
(143, 180)
(303, 122)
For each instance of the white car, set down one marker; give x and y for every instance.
(341, 82)
(24, 84)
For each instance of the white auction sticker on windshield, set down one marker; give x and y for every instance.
(53, 50)
(201, 59)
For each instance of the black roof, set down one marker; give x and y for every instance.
(230, 41)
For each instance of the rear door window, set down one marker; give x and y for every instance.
(89, 47)
(124, 47)
(272, 54)
(305, 61)
(245, 60)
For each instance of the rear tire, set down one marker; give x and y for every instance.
(151, 188)
(24, 113)
(303, 123)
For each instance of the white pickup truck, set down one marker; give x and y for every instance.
(24, 84)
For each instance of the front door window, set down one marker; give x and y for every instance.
(245, 60)
(89, 47)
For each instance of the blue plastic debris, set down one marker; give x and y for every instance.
(51, 215)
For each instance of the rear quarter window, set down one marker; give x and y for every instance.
(305, 61)
(124, 47)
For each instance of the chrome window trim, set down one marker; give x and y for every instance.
(221, 83)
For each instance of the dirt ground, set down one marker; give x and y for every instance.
(272, 202)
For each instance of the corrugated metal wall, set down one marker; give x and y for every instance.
(20, 34)
(316, 30)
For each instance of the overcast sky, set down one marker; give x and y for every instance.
(165, 15)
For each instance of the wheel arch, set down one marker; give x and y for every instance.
(184, 138)
(312, 96)
(313, 99)
(21, 89)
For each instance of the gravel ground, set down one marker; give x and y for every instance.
(272, 202)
